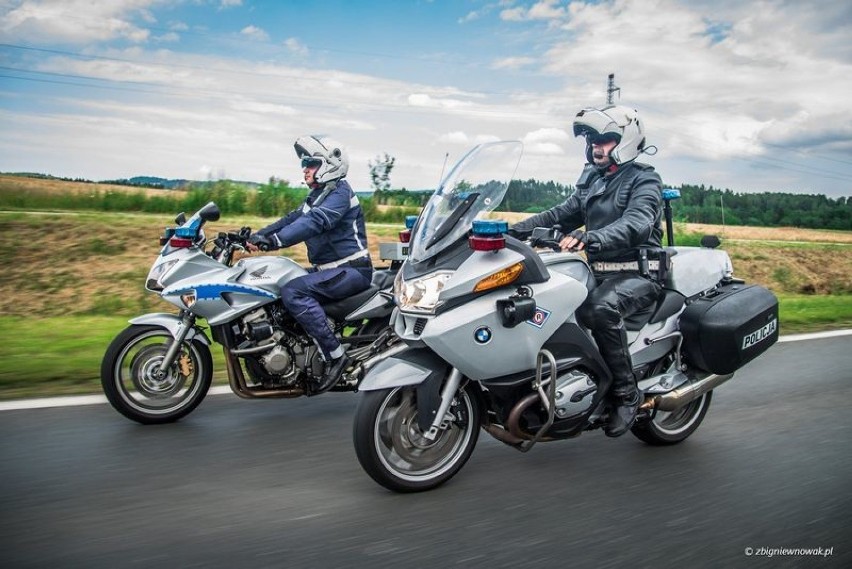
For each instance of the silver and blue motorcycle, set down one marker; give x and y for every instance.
(491, 339)
(160, 368)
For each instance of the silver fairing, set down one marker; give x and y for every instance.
(472, 337)
(222, 293)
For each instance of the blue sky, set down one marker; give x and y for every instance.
(752, 96)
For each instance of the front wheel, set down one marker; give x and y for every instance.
(133, 385)
(393, 450)
(672, 427)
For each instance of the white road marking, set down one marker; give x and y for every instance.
(76, 400)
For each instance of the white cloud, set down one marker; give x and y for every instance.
(455, 137)
(469, 17)
(705, 95)
(513, 15)
(295, 46)
(544, 10)
(549, 134)
(76, 21)
(230, 3)
(731, 93)
(255, 33)
(168, 37)
(512, 62)
(426, 100)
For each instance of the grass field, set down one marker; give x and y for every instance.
(72, 280)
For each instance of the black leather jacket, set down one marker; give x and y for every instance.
(621, 212)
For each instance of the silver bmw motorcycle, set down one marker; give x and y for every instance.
(159, 368)
(491, 339)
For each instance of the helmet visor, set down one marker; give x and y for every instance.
(308, 162)
(592, 122)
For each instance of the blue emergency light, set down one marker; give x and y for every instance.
(488, 227)
(671, 194)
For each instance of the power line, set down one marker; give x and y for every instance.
(352, 79)
(224, 94)
(334, 104)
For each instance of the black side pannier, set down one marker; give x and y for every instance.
(729, 327)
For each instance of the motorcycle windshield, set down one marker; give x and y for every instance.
(473, 188)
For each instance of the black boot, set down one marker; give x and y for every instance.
(624, 395)
(333, 372)
(623, 414)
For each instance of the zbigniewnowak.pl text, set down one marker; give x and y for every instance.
(789, 551)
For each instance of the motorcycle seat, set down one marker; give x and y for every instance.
(338, 309)
(670, 302)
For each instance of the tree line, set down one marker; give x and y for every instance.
(698, 204)
(701, 204)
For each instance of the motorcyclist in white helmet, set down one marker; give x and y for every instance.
(331, 223)
(618, 200)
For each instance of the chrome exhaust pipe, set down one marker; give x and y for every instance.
(679, 397)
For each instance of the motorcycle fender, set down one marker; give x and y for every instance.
(171, 323)
(411, 367)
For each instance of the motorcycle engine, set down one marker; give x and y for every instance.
(288, 354)
(277, 361)
(575, 391)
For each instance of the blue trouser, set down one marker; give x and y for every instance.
(302, 297)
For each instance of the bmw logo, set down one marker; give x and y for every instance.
(482, 335)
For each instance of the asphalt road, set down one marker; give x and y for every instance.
(276, 484)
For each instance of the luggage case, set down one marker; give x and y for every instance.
(727, 328)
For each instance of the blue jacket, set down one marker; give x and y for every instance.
(330, 223)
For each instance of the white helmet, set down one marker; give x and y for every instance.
(617, 122)
(327, 152)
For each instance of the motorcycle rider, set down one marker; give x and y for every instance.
(618, 201)
(331, 223)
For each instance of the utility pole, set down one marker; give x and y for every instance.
(611, 88)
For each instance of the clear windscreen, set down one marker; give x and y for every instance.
(473, 188)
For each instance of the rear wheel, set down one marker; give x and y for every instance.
(133, 385)
(393, 450)
(672, 427)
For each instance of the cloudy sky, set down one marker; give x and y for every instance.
(747, 95)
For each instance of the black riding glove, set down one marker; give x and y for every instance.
(262, 242)
(589, 242)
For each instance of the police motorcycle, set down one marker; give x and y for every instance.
(491, 339)
(159, 368)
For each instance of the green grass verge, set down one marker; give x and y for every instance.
(41, 357)
(806, 313)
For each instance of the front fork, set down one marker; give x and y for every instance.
(441, 422)
(187, 322)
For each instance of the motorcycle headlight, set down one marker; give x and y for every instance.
(421, 294)
(188, 298)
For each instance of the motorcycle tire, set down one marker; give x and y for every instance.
(392, 449)
(131, 386)
(669, 428)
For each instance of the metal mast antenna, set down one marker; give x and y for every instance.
(611, 88)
